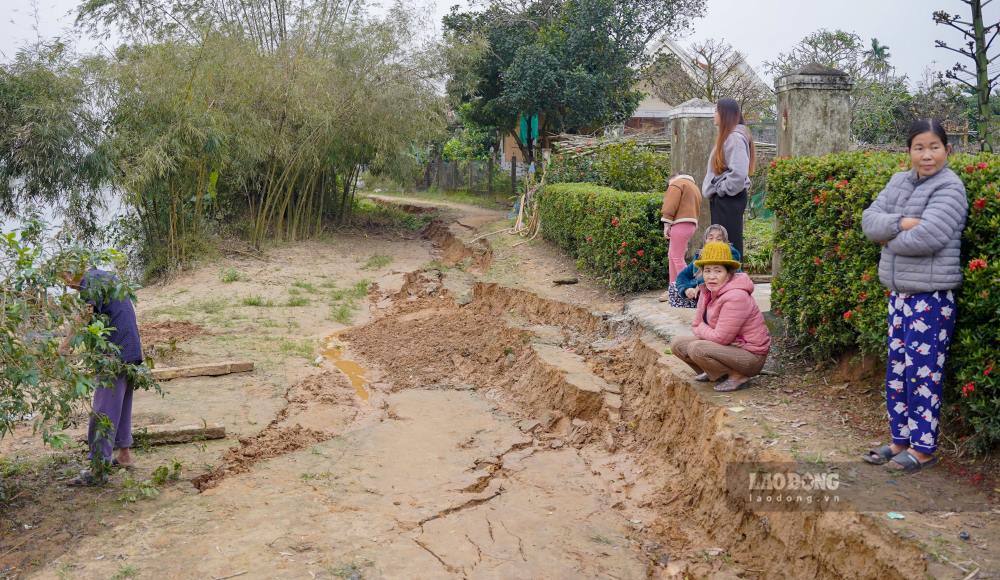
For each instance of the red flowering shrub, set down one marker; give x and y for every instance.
(610, 221)
(827, 297)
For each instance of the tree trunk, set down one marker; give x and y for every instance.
(982, 78)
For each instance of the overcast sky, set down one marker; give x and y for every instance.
(760, 28)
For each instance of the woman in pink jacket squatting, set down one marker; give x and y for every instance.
(730, 337)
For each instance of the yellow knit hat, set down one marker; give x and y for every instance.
(716, 253)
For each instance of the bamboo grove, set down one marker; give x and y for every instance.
(249, 117)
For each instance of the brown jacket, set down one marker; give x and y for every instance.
(682, 201)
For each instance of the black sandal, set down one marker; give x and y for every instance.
(910, 463)
(879, 455)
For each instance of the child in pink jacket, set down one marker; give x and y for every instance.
(730, 337)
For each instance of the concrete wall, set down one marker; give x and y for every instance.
(693, 135)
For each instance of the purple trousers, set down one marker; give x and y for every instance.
(116, 404)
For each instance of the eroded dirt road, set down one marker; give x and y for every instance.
(455, 428)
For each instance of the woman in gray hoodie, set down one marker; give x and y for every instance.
(729, 168)
(918, 218)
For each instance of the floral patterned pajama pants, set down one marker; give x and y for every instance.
(920, 329)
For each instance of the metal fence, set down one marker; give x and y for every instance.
(477, 176)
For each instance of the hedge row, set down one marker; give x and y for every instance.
(625, 166)
(616, 235)
(828, 289)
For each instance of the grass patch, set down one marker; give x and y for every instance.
(303, 348)
(294, 301)
(126, 571)
(377, 262)
(308, 287)
(355, 292)
(194, 307)
(345, 301)
(254, 300)
(342, 313)
(230, 275)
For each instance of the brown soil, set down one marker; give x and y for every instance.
(168, 331)
(328, 393)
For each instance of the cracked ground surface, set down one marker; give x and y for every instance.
(396, 498)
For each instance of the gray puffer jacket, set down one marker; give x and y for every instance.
(926, 258)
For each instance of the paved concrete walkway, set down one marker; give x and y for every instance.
(668, 322)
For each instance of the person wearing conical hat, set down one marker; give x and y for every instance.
(730, 339)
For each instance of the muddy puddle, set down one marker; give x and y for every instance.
(333, 351)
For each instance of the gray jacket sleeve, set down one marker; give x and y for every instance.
(737, 152)
(878, 224)
(941, 222)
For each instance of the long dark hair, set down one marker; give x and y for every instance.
(729, 117)
(926, 126)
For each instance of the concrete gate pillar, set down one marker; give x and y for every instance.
(692, 138)
(814, 116)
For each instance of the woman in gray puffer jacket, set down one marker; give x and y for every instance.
(918, 218)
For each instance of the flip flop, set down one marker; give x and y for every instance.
(703, 378)
(910, 462)
(879, 455)
(116, 463)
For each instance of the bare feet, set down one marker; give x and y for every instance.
(124, 457)
(735, 382)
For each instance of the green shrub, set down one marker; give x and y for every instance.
(614, 234)
(828, 289)
(758, 237)
(230, 275)
(625, 166)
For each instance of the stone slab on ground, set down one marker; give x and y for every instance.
(204, 370)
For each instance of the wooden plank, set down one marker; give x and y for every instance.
(169, 435)
(204, 370)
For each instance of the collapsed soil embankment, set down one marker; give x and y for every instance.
(513, 343)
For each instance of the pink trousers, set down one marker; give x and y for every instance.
(680, 235)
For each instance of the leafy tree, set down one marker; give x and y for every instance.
(219, 117)
(976, 48)
(575, 63)
(877, 59)
(51, 148)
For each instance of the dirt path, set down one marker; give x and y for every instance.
(459, 417)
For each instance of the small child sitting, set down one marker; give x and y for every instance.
(684, 293)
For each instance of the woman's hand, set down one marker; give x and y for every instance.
(691, 293)
(908, 223)
(666, 230)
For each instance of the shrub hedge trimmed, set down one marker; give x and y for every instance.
(828, 289)
(614, 234)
